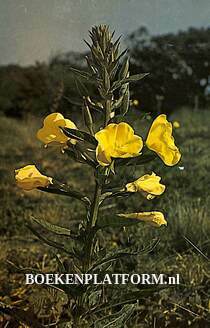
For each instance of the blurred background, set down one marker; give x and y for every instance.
(40, 40)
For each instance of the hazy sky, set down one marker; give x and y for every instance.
(36, 29)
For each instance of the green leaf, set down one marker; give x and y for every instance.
(106, 79)
(125, 252)
(132, 78)
(135, 78)
(126, 102)
(117, 103)
(119, 253)
(115, 221)
(121, 55)
(81, 88)
(94, 297)
(64, 190)
(87, 117)
(144, 292)
(52, 227)
(50, 242)
(60, 264)
(139, 160)
(124, 69)
(75, 155)
(131, 297)
(82, 74)
(113, 256)
(74, 101)
(80, 135)
(116, 320)
(80, 153)
(23, 269)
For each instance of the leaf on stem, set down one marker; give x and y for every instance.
(50, 242)
(82, 74)
(114, 222)
(139, 160)
(64, 190)
(132, 78)
(80, 135)
(52, 227)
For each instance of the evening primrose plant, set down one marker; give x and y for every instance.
(108, 143)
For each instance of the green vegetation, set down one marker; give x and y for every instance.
(186, 206)
(179, 76)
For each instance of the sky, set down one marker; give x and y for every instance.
(33, 30)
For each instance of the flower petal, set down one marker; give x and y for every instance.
(154, 218)
(161, 141)
(117, 141)
(148, 185)
(29, 178)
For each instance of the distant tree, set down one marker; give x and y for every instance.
(194, 47)
(24, 90)
(178, 66)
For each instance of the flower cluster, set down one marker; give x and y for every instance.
(114, 141)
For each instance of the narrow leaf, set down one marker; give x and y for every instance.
(52, 227)
(139, 160)
(82, 74)
(126, 102)
(64, 190)
(132, 78)
(115, 221)
(81, 88)
(50, 242)
(80, 135)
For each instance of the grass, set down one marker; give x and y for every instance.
(186, 204)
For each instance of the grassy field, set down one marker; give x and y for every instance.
(186, 204)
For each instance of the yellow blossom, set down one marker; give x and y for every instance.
(135, 102)
(154, 218)
(117, 141)
(28, 178)
(51, 132)
(176, 124)
(149, 185)
(161, 141)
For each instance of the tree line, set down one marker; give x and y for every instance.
(179, 67)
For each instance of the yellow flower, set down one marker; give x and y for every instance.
(135, 102)
(161, 141)
(148, 185)
(155, 219)
(51, 132)
(176, 124)
(28, 178)
(117, 141)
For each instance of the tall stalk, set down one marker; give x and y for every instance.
(102, 61)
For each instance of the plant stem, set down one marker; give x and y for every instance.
(95, 205)
(107, 112)
(90, 233)
(91, 225)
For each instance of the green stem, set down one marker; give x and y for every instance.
(90, 231)
(107, 112)
(95, 205)
(91, 225)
